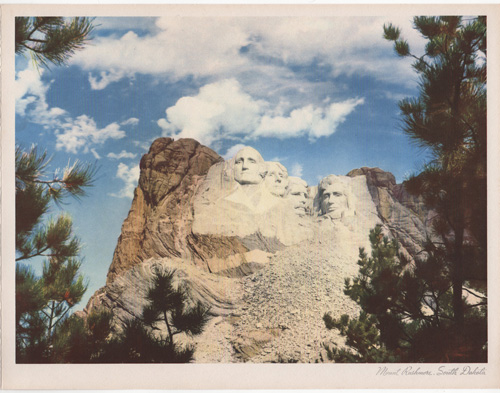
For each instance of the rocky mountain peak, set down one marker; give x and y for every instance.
(267, 252)
(160, 217)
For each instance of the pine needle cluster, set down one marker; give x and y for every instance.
(52, 39)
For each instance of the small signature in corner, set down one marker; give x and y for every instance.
(430, 371)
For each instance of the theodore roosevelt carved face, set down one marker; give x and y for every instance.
(248, 166)
(297, 195)
(276, 178)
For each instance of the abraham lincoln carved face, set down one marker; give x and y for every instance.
(333, 197)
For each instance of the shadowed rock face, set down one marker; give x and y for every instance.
(159, 221)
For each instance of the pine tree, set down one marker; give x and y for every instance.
(142, 340)
(82, 340)
(52, 39)
(406, 310)
(168, 305)
(449, 119)
(44, 302)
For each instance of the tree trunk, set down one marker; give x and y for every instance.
(170, 334)
(458, 279)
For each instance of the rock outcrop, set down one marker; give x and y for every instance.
(266, 253)
(405, 215)
(159, 221)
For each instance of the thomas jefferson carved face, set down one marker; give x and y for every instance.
(333, 198)
(297, 194)
(276, 178)
(248, 166)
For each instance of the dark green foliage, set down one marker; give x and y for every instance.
(42, 303)
(402, 48)
(136, 344)
(144, 340)
(449, 120)
(34, 192)
(361, 334)
(407, 312)
(52, 39)
(391, 32)
(79, 340)
(29, 296)
(167, 306)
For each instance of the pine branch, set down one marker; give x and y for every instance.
(37, 254)
(475, 294)
(60, 39)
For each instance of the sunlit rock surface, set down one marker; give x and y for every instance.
(268, 253)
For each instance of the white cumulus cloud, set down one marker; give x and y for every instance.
(213, 47)
(296, 170)
(72, 134)
(179, 47)
(130, 176)
(312, 121)
(133, 121)
(78, 134)
(122, 154)
(220, 110)
(30, 95)
(231, 152)
(105, 78)
(96, 154)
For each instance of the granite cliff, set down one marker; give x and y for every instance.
(266, 252)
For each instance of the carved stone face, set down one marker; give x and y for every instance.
(248, 166)
(276, 178)
(297, 195)
(333, 200)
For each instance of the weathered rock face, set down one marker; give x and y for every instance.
(268, 254)
(405, 215)
(159, 222)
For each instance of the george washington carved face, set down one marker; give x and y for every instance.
(248, 166)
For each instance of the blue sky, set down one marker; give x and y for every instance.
(317, 94)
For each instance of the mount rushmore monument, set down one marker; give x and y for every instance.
(267, 252)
